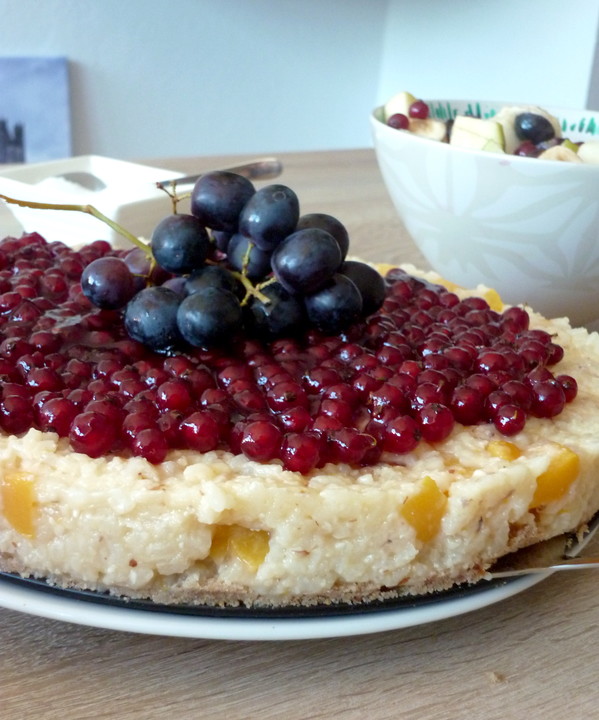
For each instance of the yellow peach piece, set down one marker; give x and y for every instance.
(504, 449)
(17, 492)
(494, 299)
(249, 546)
(554, 483)
(424, 509)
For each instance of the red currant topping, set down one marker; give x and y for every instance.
(423, 361)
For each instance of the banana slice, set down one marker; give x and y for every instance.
(561, 153)
(589, 152)
(430, 128)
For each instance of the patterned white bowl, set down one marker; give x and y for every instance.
(527, 227)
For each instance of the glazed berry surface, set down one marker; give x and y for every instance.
(411, 372)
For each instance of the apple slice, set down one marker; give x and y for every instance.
(477, 134)
(399, 103)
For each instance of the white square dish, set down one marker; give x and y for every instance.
(129, 197)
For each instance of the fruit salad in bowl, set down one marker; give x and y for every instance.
(506, 194)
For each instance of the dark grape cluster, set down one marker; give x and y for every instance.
(242, 261)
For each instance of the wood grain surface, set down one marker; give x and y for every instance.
(531, 656)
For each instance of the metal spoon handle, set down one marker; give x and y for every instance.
(569, 564)
(264, 169)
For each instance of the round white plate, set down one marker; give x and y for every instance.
(69, 607)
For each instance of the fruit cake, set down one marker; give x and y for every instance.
(287, 439)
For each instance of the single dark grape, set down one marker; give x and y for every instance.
(180, 243)
(533, 127)
(108, 283)
(369, 282)
(328, 223)
(143, 269)
(221, 239)
(306, 260)
(209, 317)
(177, 284)
(335, 307)
(246, 258)
(218, 197)
(213, 276)
(269, 216)
(151, 318)
(283, 314)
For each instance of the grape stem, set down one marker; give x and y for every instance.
(88, 209)
(250, 289)
(173, 194)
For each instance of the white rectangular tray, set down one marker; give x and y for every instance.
(129, 198)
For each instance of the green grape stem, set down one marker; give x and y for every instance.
(172, 193)
(88, 209)
(250, 289)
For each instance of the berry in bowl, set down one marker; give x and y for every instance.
(506, 195)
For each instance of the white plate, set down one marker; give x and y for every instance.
(70, 608)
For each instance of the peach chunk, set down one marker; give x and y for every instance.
(504, 449)
(424, 509)
(249, 546)
(17, 492)
(554, 483)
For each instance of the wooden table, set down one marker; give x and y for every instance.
(533, 655)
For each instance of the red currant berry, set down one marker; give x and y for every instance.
(301, 452)
(92, 433)
(436, 422)
(402, 435)
(261, 441)
(419, 109)
(509, 419)
(399, 121)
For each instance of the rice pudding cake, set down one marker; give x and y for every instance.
(404, 454)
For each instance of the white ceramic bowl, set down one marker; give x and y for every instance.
(527, 227)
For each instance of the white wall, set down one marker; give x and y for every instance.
(155, 78)
(532, 51)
